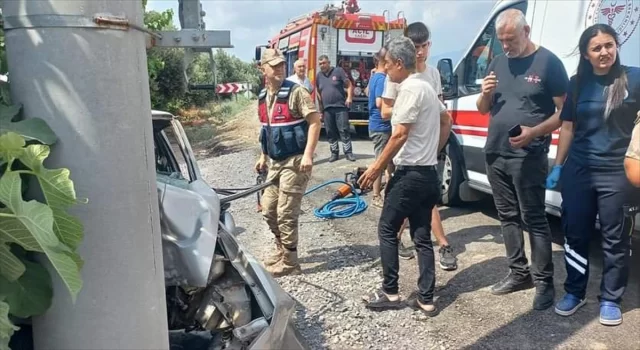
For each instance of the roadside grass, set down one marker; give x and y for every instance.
(201, 124)
(205, 126)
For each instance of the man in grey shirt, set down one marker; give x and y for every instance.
(331, 83)
(414, 188)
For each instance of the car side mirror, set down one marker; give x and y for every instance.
(447, 78)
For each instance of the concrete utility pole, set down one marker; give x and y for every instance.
(89, 81)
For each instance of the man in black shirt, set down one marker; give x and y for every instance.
(525, 89)
(330, 84)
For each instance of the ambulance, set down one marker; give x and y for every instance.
(556, 25)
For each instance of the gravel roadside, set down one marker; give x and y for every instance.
(339, 262)
(330, 314)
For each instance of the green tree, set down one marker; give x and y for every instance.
(166, 70)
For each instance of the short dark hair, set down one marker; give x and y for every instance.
(417, 32)
(323, 57)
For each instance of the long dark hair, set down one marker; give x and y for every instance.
(614, 92)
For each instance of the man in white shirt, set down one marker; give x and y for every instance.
(414, 188)
(300, 75)
(420, 36)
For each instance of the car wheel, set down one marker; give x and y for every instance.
(451, 175)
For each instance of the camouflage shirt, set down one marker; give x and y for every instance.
(634, 145)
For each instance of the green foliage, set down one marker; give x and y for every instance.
(154, 20)
(31, 227)
(167, 82)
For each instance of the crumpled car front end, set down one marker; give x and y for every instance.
(237, 305)
(218, 295)
(277, 306)
(240, 307)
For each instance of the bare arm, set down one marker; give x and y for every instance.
(349, 90)
(314, 134)
(396, 141)
(484, 103)
(485, 100)
(564, 142)
(303, 105)
(320, 107)
(632, 169)
(553, 122)
(445, 129)
(387, 108)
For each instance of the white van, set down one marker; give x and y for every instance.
(556, 25)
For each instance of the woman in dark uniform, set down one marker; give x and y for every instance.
(597, 120)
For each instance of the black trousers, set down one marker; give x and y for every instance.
(411, 193)
(518, 186)
(585, 194)
(336, 123)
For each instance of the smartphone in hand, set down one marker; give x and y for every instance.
(515, 130)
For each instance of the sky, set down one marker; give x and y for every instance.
(453, 23)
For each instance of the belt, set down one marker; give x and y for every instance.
(416, 167)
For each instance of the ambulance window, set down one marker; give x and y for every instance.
(480, 56)
(485, 49)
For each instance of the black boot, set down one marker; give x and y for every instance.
(545, 296)
(512, 283)
(333, 158)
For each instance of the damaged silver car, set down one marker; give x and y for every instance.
(218, 295)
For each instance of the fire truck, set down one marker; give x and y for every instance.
(349, 38)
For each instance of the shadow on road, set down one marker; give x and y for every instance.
(551, 330)
(486, 233)
(337, 258)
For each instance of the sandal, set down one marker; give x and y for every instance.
(378, 301)
(413, 304)
(377, 202)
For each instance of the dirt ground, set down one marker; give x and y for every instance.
(471, 317)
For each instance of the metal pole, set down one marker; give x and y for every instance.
(91, 85)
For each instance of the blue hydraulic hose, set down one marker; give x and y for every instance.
(341, 207)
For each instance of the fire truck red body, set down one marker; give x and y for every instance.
(350, 39)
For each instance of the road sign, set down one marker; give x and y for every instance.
(229, 88)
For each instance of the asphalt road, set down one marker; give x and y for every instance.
(471, 316)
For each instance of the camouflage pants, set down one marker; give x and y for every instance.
(281, 202)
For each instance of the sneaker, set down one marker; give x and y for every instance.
(448, 261)
(569, 304)
(610, 314)
(405, 253)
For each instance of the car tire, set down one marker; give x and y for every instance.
(451, 176)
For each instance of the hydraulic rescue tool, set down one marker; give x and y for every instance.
(344, 202)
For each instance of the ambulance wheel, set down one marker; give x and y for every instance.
(450, 170)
